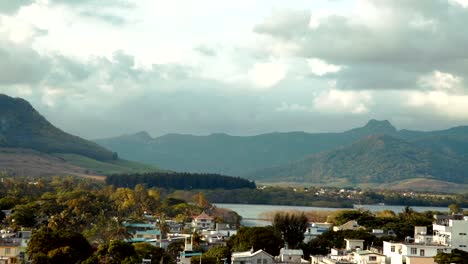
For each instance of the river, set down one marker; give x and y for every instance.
(251, 212)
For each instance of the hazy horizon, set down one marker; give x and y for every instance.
(104, 68)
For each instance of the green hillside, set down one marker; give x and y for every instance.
(376, 159)
(21, 126)
(107, 167)
(233, 155)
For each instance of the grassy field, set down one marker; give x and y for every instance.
(109, 167)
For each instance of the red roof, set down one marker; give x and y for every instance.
(203, 215)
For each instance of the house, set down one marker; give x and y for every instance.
(185, 257)
(10, 250)
(367, 257)
(350, 225)
(250, 257)
(354, 244)
(314, 230)
(291, 256)
(152, 236)
(412, 252)
(451, 230)
(203, 222)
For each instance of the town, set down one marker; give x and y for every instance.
(76, 220)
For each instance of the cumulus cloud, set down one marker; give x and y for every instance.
(20, 64)
(337, 101)
(441, 81)
(266, 75)
(320, 67)
(11, 6)
(402, 39)
(440, 103)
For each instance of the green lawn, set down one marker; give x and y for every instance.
(108, 167)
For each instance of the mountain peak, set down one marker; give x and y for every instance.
(380, 126)
(142, 135)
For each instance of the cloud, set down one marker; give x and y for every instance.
(267, 74)
(20, 64)
(440, 103)
(336, 101)
(320, 67)
(285, 107)
(11, 6)
(383, 40)
(441, 81)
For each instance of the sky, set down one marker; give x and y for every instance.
(102, 68)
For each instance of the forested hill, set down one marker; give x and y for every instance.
(375, 159)
(180, 181)
(242, 155)
(21, 126)
(233, 155)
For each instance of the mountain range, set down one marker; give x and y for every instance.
(31, 145)
(376, 153)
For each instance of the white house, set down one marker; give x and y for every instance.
(250, 257)
(291, 255)
(354, 244)
(367, 257)
(451, 231)
(203, 222)
(411, 252)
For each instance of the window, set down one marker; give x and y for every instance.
(7, 251)
(439, 250)
(259, 261)
(265, 261)
(392, 248)
(421, 253)
(462, 234)
(372, 258)
(462, 245)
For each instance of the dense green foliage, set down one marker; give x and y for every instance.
(456, 257)
(376, 159)
(175, 180)
(22, 126)
(256, 238)
(291, 227)
(58, 246)
(331, 197)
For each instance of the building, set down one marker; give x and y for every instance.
(314, 230)
(451, 230)
(350, 225)
(250, 257)
(367, 257)
(203, 222)
(291, 256)
(10, 250)
(412, 252)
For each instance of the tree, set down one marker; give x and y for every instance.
(148, 251)
(257, 238)
(58, 246)
(454, 208)
(218, 253)
(114, 252)
(291, 227)
(457, 257)
(24, 215)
